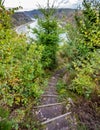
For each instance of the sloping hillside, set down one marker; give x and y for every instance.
(20, 18)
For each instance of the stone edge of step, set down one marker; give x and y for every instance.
(49, 105)
(55, 118)
(48, 95)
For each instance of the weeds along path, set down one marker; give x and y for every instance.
(53, 114)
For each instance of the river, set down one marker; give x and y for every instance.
(25, 29)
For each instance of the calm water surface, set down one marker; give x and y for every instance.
(24, 29)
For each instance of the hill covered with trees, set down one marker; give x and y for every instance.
(74, 68)
(19, 18)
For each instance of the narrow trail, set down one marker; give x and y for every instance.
(53, 114)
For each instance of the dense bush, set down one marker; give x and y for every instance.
(47, 34)
(83, 50)
(20, 72)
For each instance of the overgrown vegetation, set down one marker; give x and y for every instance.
(47, 34)
(23, 65)
(83, 50)
(21, 73)
(82, 58)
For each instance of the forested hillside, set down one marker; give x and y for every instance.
(45, 85)
(19, 18)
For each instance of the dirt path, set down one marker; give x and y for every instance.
(51, 113)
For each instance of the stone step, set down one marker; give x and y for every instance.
(51, 87)
(48, 99)
(50, 92)
(48, 111)
(65, 128)
(52, 84)
(61, 71)
(49, 95)
(62, 122)
(53, 80)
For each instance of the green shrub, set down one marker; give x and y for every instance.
(5, 123)
(83, 50)
(21, 73)
(47, 34)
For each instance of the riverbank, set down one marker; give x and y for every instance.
(23, 29)
(19, 28)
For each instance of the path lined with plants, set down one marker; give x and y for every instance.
(53, 114)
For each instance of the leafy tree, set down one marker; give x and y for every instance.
(88, 22)
(47, 35)
(20, 71)
(5, 15)
(84, 50)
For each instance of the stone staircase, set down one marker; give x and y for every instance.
(51, 114)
